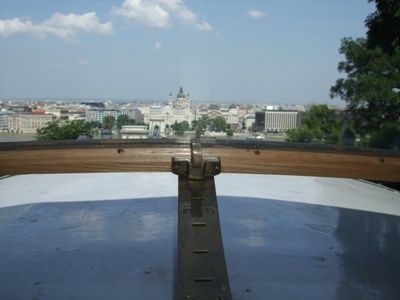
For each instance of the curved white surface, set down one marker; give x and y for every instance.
(337, 192)
(114, 236)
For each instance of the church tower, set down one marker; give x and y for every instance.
(170, 103)
(181, 100)
(188, 100)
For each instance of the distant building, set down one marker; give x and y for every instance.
(28, 122)
(277, 120)
(98, 114)
(181, 101)
(249, 121)
(259, 121)
(58, 112)
(231, 114)
(133, 132)
(4, 113)
(20, 108)
(161, 117)
(94, 104)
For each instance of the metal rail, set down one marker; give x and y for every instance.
(202, 272)
(252, 157)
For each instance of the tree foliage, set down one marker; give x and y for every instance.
(123, 120)
(218, 124)
(205, 123)
(386, 137)
(384, 25)
(63, 129)
(201, 125)
(109, 122)
(181, 127)
(321, 125)
(372, 65)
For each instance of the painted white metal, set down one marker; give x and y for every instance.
(113, 236)
(337, 192)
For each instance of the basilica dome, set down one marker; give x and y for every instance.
(181, 94)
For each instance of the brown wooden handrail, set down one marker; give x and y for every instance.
(251, 157)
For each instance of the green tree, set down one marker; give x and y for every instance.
(303, 135)
(321, 125)
(201, 125)
(124, 120)
(387, 137)
(63, 129)
(229, 132)
(194, 124)
(198, 131)
(181, 127)
(218, 123)
(372, 67)
(95, 124)
(109, 122)
(384, 25)
(204, 122)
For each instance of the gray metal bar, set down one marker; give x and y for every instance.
(202, 272)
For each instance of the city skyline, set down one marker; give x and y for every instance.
(219, 52)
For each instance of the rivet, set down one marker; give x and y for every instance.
(199, 224)
(381, 159)
(203, 279)
(120, 151)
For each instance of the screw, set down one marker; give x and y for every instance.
(381, 159)
(120, 151)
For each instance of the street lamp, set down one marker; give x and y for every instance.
(348, 137)
(396, 144)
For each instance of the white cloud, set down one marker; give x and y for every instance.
(147, 12)
(204, 26)
(256, 13)
(10, 27)
(60, 25)
(157, 13)
(158, 45)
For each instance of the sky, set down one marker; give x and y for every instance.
(225, 51)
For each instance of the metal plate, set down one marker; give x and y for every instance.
(202, 270)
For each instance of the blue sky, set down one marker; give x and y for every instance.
(236, 51)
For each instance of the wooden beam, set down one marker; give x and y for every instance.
(236, 157)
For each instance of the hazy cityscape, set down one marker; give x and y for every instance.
(20, 119)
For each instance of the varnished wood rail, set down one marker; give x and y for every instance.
(236, 157)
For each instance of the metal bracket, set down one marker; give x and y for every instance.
(202, 272)
(196, 168)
